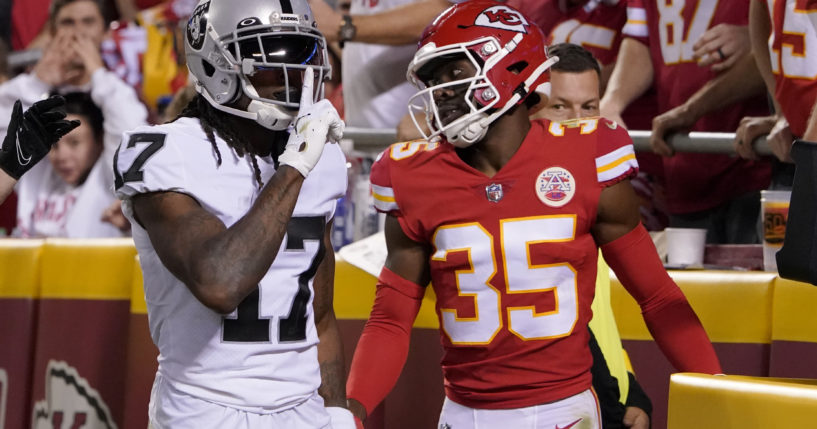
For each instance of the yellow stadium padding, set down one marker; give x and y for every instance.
(707, 401)
(19, 260)
(795, 311)
(734, 307)
(87, 268)
(354, 296)
(137, 297)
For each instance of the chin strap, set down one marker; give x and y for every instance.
(266, 115)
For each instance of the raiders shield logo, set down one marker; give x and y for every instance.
(197, 26)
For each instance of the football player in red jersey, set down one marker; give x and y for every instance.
(505, 217)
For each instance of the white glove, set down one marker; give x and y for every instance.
(341, 418)
(315, 124)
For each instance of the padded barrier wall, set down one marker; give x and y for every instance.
(74, 340)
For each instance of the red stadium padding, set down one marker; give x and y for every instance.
(82, 332)
(19, 288)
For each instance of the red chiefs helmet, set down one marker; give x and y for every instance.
(509, 55)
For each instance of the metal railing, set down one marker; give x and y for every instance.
(376, 139)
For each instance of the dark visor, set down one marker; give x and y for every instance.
(272, 48)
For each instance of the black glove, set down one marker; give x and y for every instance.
(31, 134)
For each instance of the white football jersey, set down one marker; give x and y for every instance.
(263, 356)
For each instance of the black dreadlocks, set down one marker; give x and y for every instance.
(213, 122)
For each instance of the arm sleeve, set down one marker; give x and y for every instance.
(670, 319)
(383, 347)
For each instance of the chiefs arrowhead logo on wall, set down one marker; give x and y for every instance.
(70, 402)
(504, 18)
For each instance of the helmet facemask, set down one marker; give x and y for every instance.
(464, 130)
(281, 57)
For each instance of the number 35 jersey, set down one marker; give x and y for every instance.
(513, 263)
(263, 356)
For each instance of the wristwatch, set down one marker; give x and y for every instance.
(346, 31)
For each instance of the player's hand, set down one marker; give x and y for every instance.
(341, 418)
(721, 46)
(636, 418)
(750, 128)
(358, 410)
(671, 121)
(31, 134)
(780, 140)
(315, 124)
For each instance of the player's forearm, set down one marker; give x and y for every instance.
(399, 26)
(739, 82)
(631, 77)
(330, 358)
(759, 30)
(230, 264)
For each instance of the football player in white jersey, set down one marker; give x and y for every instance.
(231, 206)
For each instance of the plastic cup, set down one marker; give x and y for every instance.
(685, 246)
(774, 210)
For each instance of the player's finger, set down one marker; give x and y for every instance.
(707, 37)
(723, 65)
(65, 127)
(49, 103)
(52, 116)
(708, 48)
(17, 110)
(307, 94)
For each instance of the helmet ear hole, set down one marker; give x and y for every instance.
(209, 70)
(517, 67)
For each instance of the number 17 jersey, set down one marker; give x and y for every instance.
(513, 263)
(261, 358)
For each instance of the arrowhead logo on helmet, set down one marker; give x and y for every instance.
(503, 18)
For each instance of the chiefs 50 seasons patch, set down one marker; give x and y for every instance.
(555, 186)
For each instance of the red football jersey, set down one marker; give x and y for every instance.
(793, 54)
(595, 25)
(513, 263)
(695, 182)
